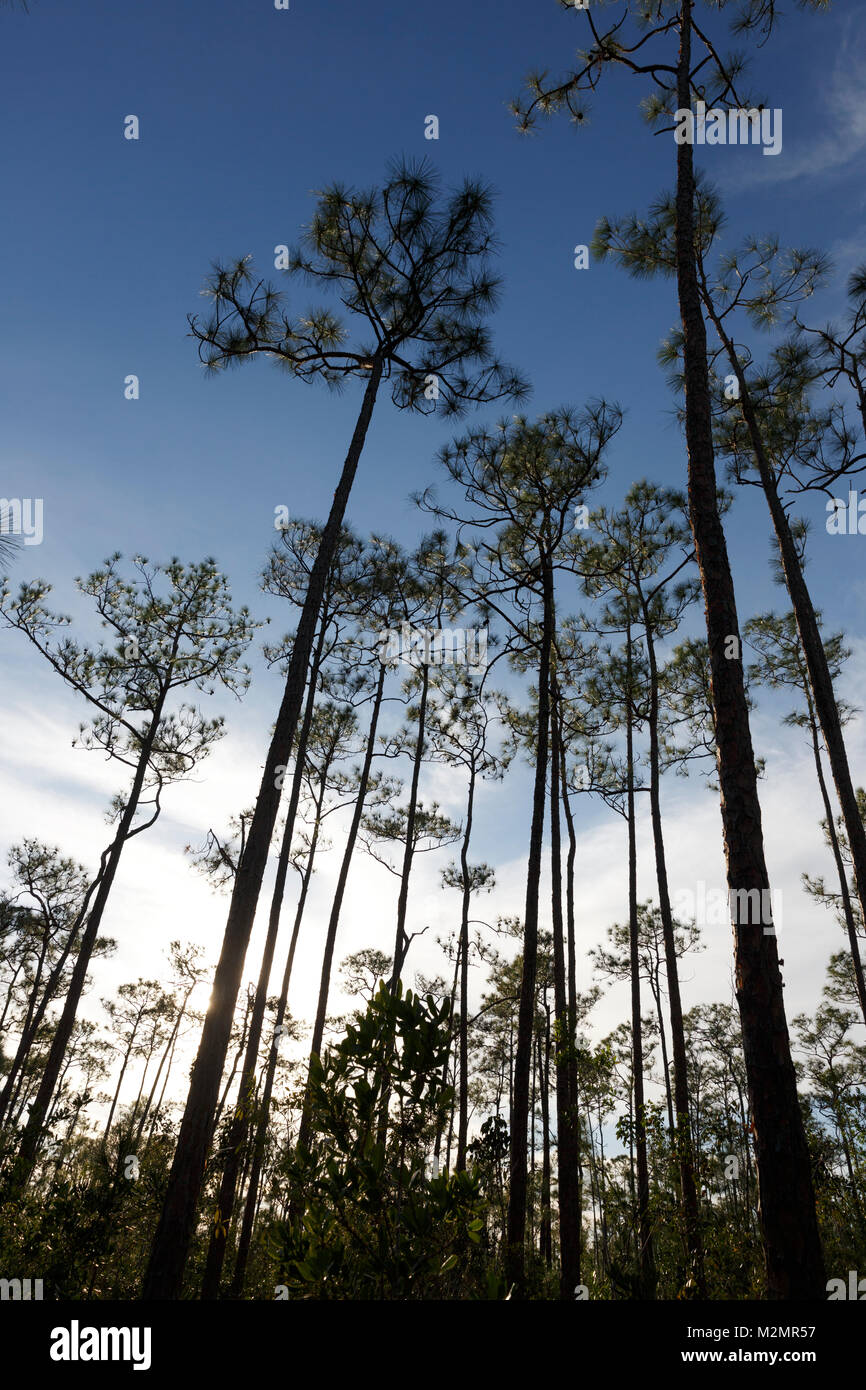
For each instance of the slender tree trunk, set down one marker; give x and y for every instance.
(166, 1052)
(845, 1141)
(242, 1042)
(15, 1091)
(593, 1189)
(126, 1056)
(236, 1143)
(22, 1099)
(819, 677)
(463, 1125)
(850, 925)
(533, 1114)
(602, 1185)
(73, 1125)
(545, 1248)
(164, 1277)
(157, 1110)
(337, 905)
(566, 1147)
(401, 942)
(573, 1092)
(794, 1262)
(58, 1090)
(631, 1172)
(515, 1253)
(569, 911)
(646, 1257)
(9, 994)
(239, 1274)
(147, 1061)
(28, 1033)
(682, 1128)
(655, 990)
(440, 1127)
(451, 1113)
(28, 1028)
(27, 1153)
(51, 986)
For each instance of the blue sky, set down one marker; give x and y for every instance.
(244, 111)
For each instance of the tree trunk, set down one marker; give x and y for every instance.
(682, 1127)
(124, 1065)
(463, 1123)
(545, 1243)
(401, 940)
(515, 1254)
(655, 990)
(337, 905)
(166, 1053)
(239, 1274)
(26, 1160)
(646, 1258)
(242, 1042)
(401, 943)
(440, 1127)
(48, 994)
(574, 1097)
(819, 677)
(847, 909)
(792, 1246)
(536, 1063)
(164, 1277)
(566, 1147)
(9, 993)
(236, 1142)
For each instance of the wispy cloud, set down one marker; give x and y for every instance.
(841, 135)
(158, 897)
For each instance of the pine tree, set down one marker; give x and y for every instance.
(414, 272)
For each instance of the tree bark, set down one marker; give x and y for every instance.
(817, 666)
(792, 1246)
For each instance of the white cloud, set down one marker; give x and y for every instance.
(60, 795)
(840, 134)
